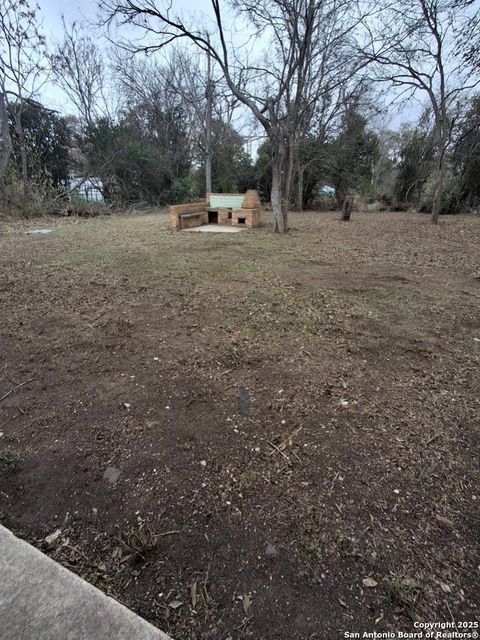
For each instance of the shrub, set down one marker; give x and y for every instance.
(182, 190)
(451, 202)
(376, 206)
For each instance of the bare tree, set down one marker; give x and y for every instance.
(469, 39)
(185, 79)
(197, 83)
(274, 89)
(22, 68)
(5, 140)
(194, 83)
(78, 69)
(338, 90)
(384, 166)
(415, 47)
(331, 84)
(466, 151)
(157, 88)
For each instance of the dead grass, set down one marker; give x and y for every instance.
(362, 339)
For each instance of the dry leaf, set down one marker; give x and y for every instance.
(193, 594)
(369, 582)
(246, 601)
(175, 604)
(444, 520)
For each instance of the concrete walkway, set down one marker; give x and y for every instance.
(41, 600)
(215, 228)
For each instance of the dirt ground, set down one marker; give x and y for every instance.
(290, 423)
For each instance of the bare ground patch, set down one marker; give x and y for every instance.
(359, 345)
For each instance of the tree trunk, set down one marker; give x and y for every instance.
(5, 147)
(438, 196)
(279, 225)
(208, 161)
(287, 188)
(23, 150)
(346, 210)
(208, 127)
(340, 196)
(280, 196)
(442, 135)
(282, 173)
(300, 173)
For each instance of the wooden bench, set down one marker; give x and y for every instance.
(189, 216)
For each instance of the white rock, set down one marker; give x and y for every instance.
(52, 539)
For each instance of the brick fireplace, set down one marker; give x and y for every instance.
(234, 209)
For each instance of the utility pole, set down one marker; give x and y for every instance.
(208, 125)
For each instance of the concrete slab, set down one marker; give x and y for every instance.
(216, 228)
(40, 231)
(41, 600)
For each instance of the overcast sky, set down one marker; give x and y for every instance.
(87, 10)
(51, 17)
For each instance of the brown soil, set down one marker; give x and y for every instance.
(359, 340)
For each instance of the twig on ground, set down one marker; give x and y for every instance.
(24, 428)
(22, 384)
(333, 483)
(287, 442)
(76, 550)
(451, 614)
(297, 456)
(279, 451)
(245, 622)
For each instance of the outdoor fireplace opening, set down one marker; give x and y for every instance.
(242, 220)
(213, 217)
